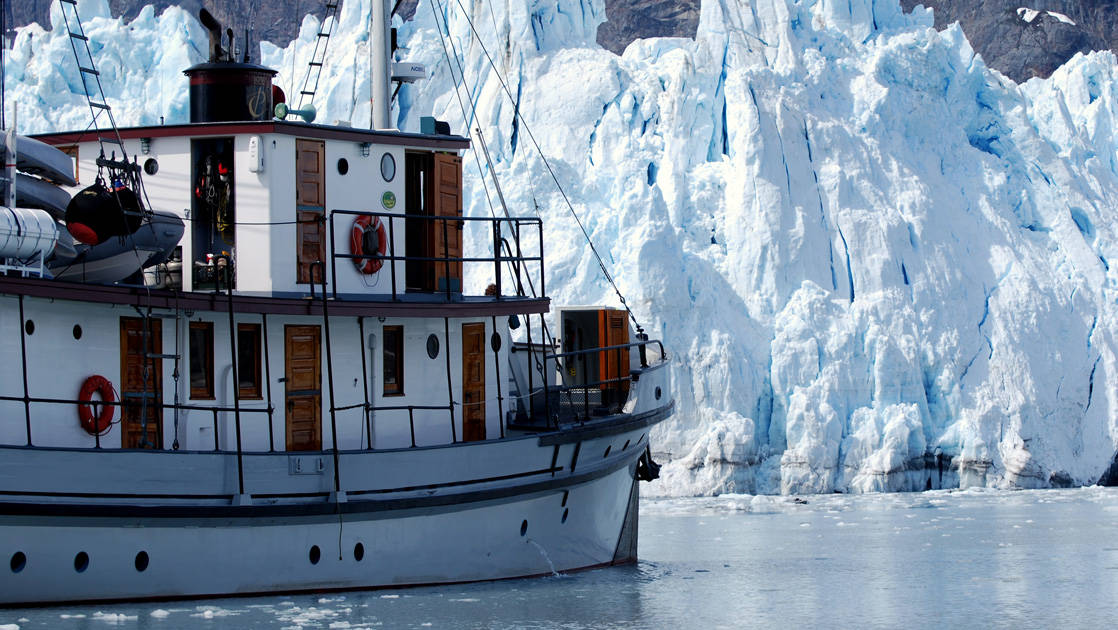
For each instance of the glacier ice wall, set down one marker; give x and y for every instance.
(878, 264)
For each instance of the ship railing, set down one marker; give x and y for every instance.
(128, 401)
(568, 400)
(508, 237)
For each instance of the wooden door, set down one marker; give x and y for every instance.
(473, 382)
(446, 236)
(140, 392)
(303, 387)
(310, 206)
(613, 330)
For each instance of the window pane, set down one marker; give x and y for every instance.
(201, 359)
(393, 360)
(248, 359)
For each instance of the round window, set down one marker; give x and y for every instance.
(432, 346)
(151, 166)
(343, 166)
(387, 167)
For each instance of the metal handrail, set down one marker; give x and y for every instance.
(496, 259)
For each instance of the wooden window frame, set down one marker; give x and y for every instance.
(205, 392)
(255, 390)
(397, 388)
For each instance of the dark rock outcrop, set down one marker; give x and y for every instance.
(1018, 48)
(1023, 49)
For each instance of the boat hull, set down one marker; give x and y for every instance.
(557, 520)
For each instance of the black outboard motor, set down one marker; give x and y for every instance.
(222, 89)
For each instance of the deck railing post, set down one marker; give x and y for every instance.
(411, 423)
(446, 256)
(236, 382)
(392, 252)
(23, 358)
(496, 256)
(546, 381)
(268, 384)
(329, 376)
(365, 383)
(497, 369)
(531, 368)
(449, 381)
(217, 444)
(333, 260)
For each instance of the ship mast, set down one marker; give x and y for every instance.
(380, 107)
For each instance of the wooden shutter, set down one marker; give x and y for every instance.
(447, 236)
(310, 206)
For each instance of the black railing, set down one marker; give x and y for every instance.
(579, 401)
(501, 230)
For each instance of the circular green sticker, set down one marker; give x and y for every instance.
(388, 200)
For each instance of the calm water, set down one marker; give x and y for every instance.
(1029, 559)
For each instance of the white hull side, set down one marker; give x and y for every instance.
(258, 555)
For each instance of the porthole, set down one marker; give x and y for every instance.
(343, 166)
(81, 562)
(19, 560)
(432, 346)
(77, 331)
(495, 341)
(142, 561)
(359, 552)
(29, 327)
(565, 514)
(658, 392)
(387, 167)
(151, 166)
(523, 527)
(315, 554)
(607, 450)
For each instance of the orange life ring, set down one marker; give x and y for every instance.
(361, 243)
(101, 385)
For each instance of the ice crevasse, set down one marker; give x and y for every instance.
(878, 264)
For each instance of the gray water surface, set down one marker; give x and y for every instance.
(1025, 559)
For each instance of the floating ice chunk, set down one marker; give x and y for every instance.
(159, 613)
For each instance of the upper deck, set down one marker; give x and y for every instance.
(273, 206)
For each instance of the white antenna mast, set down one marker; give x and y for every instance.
(378, 65)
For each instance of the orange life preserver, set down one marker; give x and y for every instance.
(361, 243)
(101, 385)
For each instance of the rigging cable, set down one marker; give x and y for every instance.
(551, 172)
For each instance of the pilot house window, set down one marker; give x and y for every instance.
(393, 360)
(248, 360)
(202, 360)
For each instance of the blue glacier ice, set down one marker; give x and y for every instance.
(879, 265)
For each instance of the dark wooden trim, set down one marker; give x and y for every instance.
(218, 303)
(302, 130)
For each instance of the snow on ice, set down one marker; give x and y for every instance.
(878, 264)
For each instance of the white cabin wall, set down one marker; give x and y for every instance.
(279, 177)
(170, 189)
(425, 383)
(362, 190)
(255, 208)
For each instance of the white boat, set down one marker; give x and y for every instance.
(319, 400)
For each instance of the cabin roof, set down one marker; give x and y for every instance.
(300, 129)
